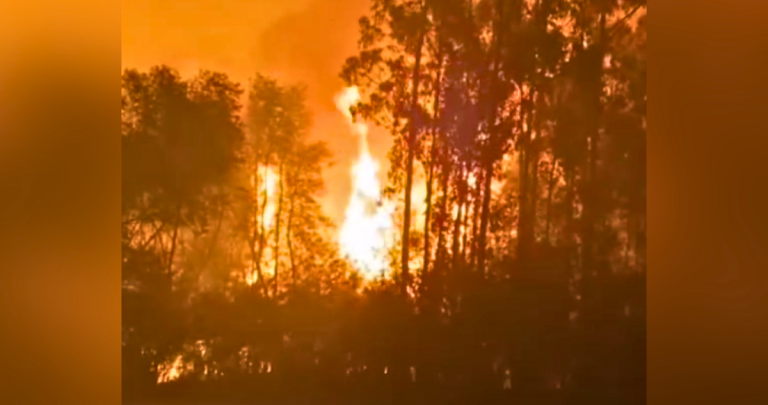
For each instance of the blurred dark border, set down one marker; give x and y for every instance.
(59, 202)
(708, 228)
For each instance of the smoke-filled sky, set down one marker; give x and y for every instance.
(292, 40)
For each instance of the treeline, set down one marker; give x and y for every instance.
(526, 122)
(220, 220)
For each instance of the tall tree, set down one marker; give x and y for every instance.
(389, 71)
(279, 122)
(181, 141)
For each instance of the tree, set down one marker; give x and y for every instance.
(180, 142)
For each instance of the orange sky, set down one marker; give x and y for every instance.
(293, 40)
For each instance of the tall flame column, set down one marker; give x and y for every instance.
(366, 234)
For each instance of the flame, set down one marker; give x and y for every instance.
(250, 275)
(269, 186)
(419, 203)
(170, 372)
(268, 181)
(366, 234)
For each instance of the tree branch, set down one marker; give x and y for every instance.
(629, 15)
(154, 235)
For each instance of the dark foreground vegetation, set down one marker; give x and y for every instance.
(524, 283)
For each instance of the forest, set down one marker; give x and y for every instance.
(518, 276)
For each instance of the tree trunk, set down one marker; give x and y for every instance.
(440, 256)
(277, 229)
(465, 227)
(215, 236)
(533, 194)
(550, 190)
(257, 255)
(289, 228)
(428, 213)
(522, 203)
(590, 305)
(493, 135)
(464, 215)
(175, 236)
(476, 208)
(594, 90)
(431, 171)
(461, 190)
(570, 221)
(484, 219)
(411, 144)
(528, 162)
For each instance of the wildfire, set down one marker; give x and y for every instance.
(171, 371)
(269, 186)
(268, 182)
(366, 234)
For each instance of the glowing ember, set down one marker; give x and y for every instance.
(366, 234)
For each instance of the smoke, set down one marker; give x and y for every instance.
(311, 46)
(292, 40)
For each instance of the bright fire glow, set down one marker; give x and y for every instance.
(268, 182)
(269, 186)
(250, 275)
(367, 232)
(170, 372)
